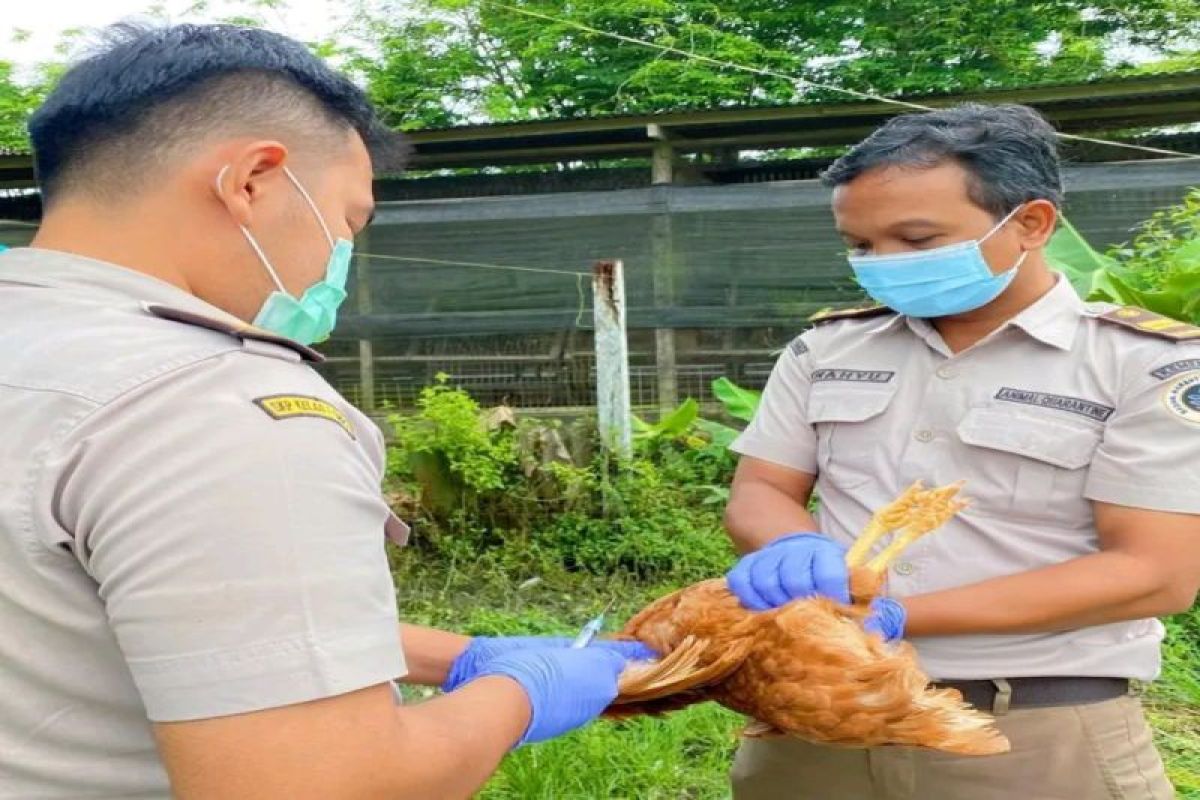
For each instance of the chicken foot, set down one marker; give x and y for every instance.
(916, 512)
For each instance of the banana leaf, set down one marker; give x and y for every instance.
(739, 403)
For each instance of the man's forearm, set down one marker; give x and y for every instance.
(451, 745)
(350, 746)
(429, 652)
(1092, 590)
(759, 513)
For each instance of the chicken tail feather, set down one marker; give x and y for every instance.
(679, 671)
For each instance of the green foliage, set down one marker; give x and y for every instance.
(739, 403)
(1161, 265)
(489, 485)
(672, 426)
(433, 63)
(1175, 703)
(441, 62)
(449, 429)
(17, 102)
(1158, 270)
(1069, 253)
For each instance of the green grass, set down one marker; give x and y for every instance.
(1174, 704)
(685, 756)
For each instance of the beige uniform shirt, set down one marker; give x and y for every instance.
(191, 526)
(1054, 410)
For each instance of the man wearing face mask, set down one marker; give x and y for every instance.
(1076, 427)
(194, 595)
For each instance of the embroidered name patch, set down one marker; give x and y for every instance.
(1176, 367)
(852, 375)
(1182, 398)
(287, 406)
(1073, 405)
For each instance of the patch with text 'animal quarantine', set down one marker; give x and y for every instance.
(1058, 402)
(290, 406)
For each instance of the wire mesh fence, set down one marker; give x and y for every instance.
(494, 292)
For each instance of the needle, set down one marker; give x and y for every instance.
(589, 631)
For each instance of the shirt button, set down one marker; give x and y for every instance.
(923, 435)
(947, 372)
(905, 568)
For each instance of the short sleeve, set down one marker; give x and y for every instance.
(780, 431)
(233, 522)
(1150, 454)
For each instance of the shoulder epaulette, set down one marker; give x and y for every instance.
(239, 330)
(1151, 324)
(857, 312)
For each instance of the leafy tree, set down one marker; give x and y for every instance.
(440, 62)
(17, 102)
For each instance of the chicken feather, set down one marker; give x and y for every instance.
(809, 668)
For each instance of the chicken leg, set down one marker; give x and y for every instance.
(910, 516)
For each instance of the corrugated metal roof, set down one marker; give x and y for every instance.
(1125, 80)
(1094, 107)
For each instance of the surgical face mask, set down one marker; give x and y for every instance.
(935, 283)
(312, 317)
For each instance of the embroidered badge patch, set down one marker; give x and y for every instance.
(1073, 405)
(1182, 398)
(798, 347)
(1175, 368)
(852, 375)
(287, 406)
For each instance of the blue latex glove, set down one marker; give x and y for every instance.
(791, 567)
(887, 619)
(483, 649)
(567, 688)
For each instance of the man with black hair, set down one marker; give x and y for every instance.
(1075, 426)
(194, 594)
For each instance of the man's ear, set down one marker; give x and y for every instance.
(1036, 221)
(248, 175)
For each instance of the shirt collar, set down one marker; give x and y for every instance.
(32, 266)
(1053, 318)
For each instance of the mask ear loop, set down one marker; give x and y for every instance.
(313, 206)
(249, 238)
(1001, 223)
(998, 226)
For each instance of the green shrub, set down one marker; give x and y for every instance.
(1159, 269)
(489, 485)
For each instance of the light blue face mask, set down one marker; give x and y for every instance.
(935, 283)
(313, 317)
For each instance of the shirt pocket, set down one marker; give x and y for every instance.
(1029, 465)
(850, 429)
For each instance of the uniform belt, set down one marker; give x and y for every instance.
(1001, 694)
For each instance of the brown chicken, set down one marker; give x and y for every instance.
(808, 669)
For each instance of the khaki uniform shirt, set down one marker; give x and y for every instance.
(191, 526)
(1058, 408)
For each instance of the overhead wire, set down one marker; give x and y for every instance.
(719, 62)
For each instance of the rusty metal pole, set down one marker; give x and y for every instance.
(612, 358)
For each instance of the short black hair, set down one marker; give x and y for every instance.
(149, 89)
(1009, 151)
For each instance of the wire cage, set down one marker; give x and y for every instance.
(494, 292)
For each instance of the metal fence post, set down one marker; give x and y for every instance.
(612, 357)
